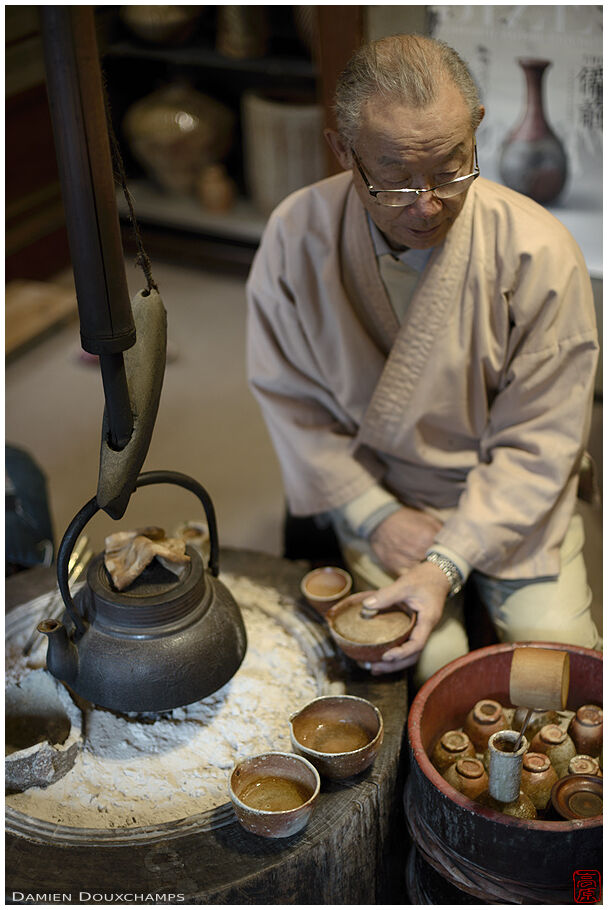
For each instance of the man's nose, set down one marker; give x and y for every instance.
(427, 204)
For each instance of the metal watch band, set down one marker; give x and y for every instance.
(449, 569)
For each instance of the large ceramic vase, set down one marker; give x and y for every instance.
(533, 160)
(176, 132)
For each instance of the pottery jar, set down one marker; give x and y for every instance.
(216, 191)
(176, 131)
(586, 730)
(484, 718)
(584, 764)
(468, 776)
(537, 778)
(538, 719)
(522, 807)
(454, 744)
(554, 742)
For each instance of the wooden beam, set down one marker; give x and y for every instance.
(340, 30)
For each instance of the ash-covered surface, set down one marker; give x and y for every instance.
(132, 772)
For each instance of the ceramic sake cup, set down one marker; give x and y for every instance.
(368, 639)
(325, 586)
(273, 794)
(340, 735)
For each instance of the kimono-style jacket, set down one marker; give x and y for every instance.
(475, 409)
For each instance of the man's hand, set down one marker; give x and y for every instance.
(424, 589)
(402, 539)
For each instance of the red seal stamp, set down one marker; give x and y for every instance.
(587, 886)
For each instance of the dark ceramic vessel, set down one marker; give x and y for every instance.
(556, 744)
(484, 718)
(533, 160)
(586, 730)
(453, 745)
(537, 778)
(468, 776)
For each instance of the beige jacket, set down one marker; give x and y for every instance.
(476, 409)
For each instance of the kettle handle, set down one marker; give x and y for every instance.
(85, 514)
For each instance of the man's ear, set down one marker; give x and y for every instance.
(340, 150)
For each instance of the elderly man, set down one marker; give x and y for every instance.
(423, 347)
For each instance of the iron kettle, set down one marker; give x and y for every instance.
(161, 643)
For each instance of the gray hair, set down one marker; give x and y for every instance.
(407, 68)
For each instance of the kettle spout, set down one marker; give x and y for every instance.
(62, 654)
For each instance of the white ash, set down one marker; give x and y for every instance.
(133, 773)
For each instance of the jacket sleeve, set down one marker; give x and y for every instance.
(311, 433)
(531, 450)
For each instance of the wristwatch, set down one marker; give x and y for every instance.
(449, 569)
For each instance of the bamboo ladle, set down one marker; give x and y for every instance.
(539, 677)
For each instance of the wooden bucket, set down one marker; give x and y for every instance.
(492, 857)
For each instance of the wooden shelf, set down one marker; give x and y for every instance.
(200, 56)
(243, 223)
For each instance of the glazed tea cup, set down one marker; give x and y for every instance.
(340, 735)
(325, 586)
(273, 794)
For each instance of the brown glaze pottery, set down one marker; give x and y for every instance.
(484, 718)
(325, 586)
(273, 794)
(538, 719)
(554, 742)
(468, 776)
(339, 734)
(454, 744)
(521, 807)
(586, 730)
(584, 764)
(368, 639)
(578, 796)
(537, 778)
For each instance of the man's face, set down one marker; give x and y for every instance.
(401, 146)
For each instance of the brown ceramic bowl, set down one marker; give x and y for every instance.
(325, 586)
(368, 639)
(578, 796)
(273, 794)
(339, 734)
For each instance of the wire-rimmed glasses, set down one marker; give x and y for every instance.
(403, 197)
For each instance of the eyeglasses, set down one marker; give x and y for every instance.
(408, 196)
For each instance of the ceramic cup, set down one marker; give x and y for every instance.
(340, 734)
(325, 586)
(368, 639)
(273, 794)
